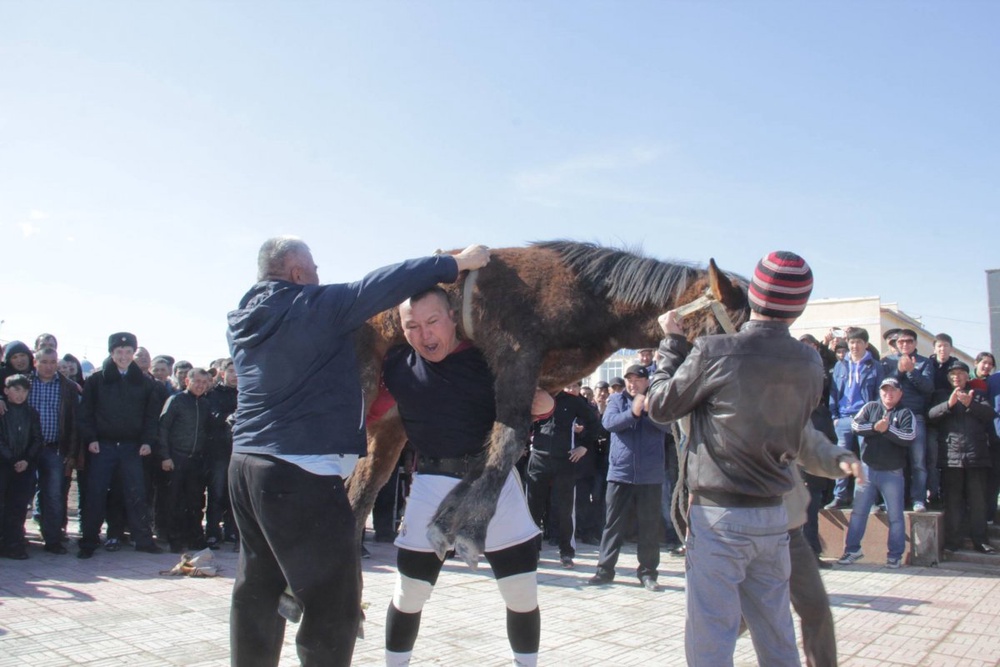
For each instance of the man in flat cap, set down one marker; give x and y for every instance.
(118, 421)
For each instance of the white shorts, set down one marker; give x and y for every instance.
(510, 525)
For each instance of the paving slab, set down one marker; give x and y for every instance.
(117, 609)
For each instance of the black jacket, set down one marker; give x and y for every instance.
(221, 406)
(119, 408)
(555, 435)
(964, 432)
(20, 434)
(183, 426)
(884, 451)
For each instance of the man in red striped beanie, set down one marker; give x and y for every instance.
(749, 396)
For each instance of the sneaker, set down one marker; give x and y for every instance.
(566, 562)
(679, 552)
(650, 584)
(599, 580)
(365, 553)
(850, 558)
(112, 545)
(837, 504)
(893, 563)
(919, 507)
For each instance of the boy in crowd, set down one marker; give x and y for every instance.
(20, 445)
(182, 447)
(887, 431)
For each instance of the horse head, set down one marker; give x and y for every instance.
(716, 302)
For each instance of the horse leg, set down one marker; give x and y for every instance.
(386, 439)
(464, 515)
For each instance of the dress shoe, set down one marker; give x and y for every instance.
(823, 564)
(85, 553)
(599, 580)
(150, 548)
(16, 555)
(176, 547)
(57, 549)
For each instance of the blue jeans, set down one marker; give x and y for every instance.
(890, 484)
(51, 474)
(738, 563)
(918, 461)
(849, 440)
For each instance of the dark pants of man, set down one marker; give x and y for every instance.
(218, 517)
(123, 458)
(545, 470)
(296, 529)
(186, 494)
(15, 493)
(965, 505)
(647, 510)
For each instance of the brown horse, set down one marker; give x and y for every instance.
(544, 315)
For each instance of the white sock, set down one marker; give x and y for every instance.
(525, 659)
(397, 659)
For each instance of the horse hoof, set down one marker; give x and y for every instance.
(468, 551)
(438, 540)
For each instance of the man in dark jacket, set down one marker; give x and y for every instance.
(219, 525)
(964, 420)
(556, 444)
(887, 429)
(915, 374)
(55, 398)
(636, 470)
(749, 395)
(299, 428)
(118, 418)
(181, 445)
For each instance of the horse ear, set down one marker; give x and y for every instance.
(723, 289)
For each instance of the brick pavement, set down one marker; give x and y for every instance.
(115, 609)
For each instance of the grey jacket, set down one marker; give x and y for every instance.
(749, 396)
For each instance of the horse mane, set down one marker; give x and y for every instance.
(624, 276)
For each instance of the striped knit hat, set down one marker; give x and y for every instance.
(781, 285)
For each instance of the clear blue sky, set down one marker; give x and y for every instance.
(147, 149)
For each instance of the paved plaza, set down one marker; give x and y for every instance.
(116, 609)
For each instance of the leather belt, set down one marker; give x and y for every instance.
(726, 499)
(457, 467)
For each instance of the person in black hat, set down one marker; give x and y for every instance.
(963, 420)
(617, 385)
(119, 415)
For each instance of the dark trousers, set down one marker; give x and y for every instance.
(186, 493)
(296, 529)
(647, 509)
(218, 516)
(157, 483)
(993, 483)
(115, 513)
(52, 501)
(16, 489)
(965, 503)
(545, 472)
(811, 603)
(124, 458)
(587, 506)
(386, 508)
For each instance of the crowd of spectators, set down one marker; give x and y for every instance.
(146, 439)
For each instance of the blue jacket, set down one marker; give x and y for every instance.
(294, 351)
(636, 455)
(918, 384)
(868, 376)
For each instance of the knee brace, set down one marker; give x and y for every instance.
(520, 592)
(411, 594)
